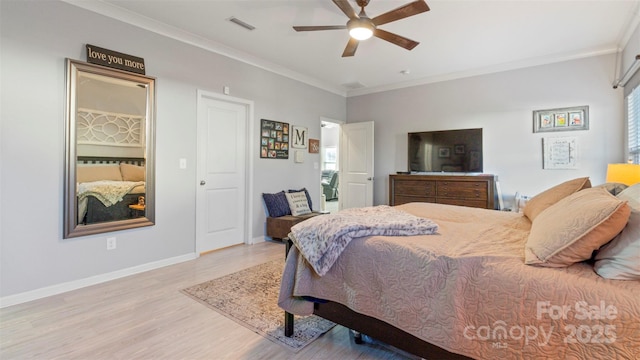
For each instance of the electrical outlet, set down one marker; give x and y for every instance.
(111, 243)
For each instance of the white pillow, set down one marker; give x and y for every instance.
(620, 258)
(298, 203)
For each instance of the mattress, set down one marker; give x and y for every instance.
(467, 290)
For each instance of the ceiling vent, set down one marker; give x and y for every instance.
(353, 85)
(239, 22)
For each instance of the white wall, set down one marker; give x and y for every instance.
(36, 37)
(631, 50)
(502, 104)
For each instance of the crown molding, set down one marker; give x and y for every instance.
(172, 32)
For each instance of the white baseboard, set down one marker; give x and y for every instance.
(93, 280)
(257, 239)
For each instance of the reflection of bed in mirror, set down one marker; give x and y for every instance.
(107, 186)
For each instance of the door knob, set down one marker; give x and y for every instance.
(202, 182)
(369, 178)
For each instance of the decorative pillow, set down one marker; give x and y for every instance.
(277, 204)
(538, 203)
(613, 187)
(573, 228)
(97, 173)
(620, 258)
(632, 195)
(132, 172)
(298, 203)
(307, 194)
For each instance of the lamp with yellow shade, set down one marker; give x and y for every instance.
(627, 174)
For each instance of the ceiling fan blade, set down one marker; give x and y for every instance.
(317, 28)
(346, 8)
(351, 48)
(395, 39)
(402, 12)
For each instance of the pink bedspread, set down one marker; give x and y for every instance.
(468, 291)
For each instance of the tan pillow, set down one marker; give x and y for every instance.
(132, 172)
(538, 203)
(570, 230)
(97, 173)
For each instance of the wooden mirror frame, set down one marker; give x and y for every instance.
(72, 227)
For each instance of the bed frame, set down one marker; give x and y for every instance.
(110, 160)
(372, 327)
(96, 211)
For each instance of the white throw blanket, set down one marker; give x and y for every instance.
(108, 192)
(321, 239)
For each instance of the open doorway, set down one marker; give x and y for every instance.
(329, 160)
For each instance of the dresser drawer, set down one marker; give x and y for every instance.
(415, 188)
(463, 189)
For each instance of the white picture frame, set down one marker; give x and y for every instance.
(299, 138)
(560, 153)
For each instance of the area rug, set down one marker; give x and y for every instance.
(249, 297)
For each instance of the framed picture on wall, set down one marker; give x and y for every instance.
(299, 139)
(274, 139)
(560, 153)
(562, 119)
(314, 146)
(444, 152)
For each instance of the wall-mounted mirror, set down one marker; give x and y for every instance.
(109, 162)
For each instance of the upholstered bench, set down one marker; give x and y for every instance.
(279, 227)
(285, 210)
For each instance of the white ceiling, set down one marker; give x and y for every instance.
(457, 38)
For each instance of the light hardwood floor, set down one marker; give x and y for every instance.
(145, 316)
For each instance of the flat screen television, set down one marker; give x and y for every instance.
(445, 151)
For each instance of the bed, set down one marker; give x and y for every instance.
(107, 187)
(480, 287)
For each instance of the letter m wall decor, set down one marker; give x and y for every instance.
(299, 137)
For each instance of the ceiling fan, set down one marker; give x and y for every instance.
(361, 27)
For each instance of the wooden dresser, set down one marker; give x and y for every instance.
(464, 190)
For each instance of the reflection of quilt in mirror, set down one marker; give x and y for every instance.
(106, 200)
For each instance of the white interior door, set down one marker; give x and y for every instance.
(221, 195)
(356, 165)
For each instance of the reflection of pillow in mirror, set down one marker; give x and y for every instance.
(132, 172)
(97, 173)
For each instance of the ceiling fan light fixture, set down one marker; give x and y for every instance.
(360, 29)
